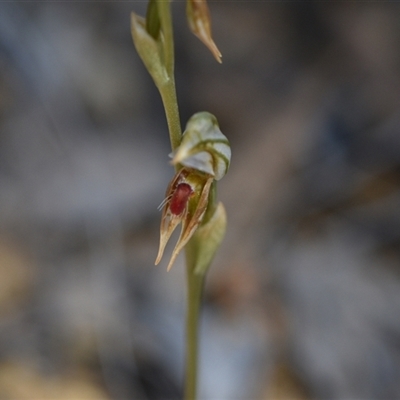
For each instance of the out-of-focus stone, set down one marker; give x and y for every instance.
(17, 272)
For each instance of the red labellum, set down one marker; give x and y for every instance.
(180, 198)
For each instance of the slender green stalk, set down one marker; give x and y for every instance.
(195, 284)
(168, 96)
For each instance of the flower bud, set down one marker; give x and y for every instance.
(204, 147)
(199, 21)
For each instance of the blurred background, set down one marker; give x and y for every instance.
(303, 299)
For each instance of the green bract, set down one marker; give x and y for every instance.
(207, 238)
(149, 49)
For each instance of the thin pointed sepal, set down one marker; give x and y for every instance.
(168, 225)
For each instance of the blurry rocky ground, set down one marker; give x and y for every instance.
(303, 299)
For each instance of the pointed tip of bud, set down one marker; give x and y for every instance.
(212, 47)
(205, 37)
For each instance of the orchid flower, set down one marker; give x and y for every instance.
(204, 156)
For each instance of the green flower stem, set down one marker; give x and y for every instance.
(195, 286)
(168, 96)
